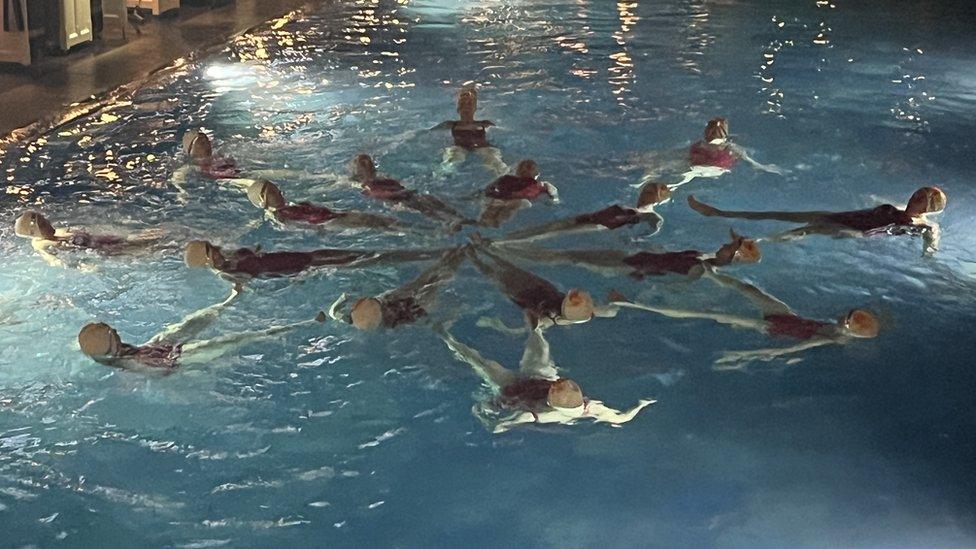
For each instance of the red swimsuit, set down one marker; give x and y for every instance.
(404, 310)
(386, 189)
(510, 187)
(793, 326)
(275, 263)
(880, 217)
(705, 154)
(220, 168)
(162, 355)
(647, 263)
(81, 239)
(543, 300)
(306, 212)
(525, 394)
(612, 218)
(470, 139)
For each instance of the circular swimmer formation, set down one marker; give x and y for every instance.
(534, 392)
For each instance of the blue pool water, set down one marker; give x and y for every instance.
(328, 437)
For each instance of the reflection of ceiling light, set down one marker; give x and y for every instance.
(229, 72)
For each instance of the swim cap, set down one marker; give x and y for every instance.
(717, 128)
(362, 168)
(200, 253)
(861, 323)
(527, 169)
(265, 194)
(565, 393)
(33, 225)
(927, 200)
(196, 144)
(99, 340)
(577, 306)
(653, 193)
(367, 313)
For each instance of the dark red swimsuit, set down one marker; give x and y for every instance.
(162, 355)
(543, 300)
(307, 213)
(525, 394)
(404, 310)
(269, 264)
(705, 154)
(793, 326)
(874, 219)
(386, 189)
(82, 239)
(647, 263)
(510, 187)
(470, 139)
(613, 217)
(220, 168)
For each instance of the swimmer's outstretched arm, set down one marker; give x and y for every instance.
(493, 373)
(731, 320)
(741, 153)
(193, 323)
(536, 359)
(766, 303)
(731, 357)
(360, 220)
(445, 125)
(795, 217)
(204, 351)
(43, 247)
(600, 412)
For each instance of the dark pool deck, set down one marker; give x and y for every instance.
(33, 93)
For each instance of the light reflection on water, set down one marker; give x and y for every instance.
(351, 439)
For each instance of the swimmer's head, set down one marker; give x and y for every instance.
(99, 340)
(265, 194)
(527, 169)
(717, 130)
(577, 306)
(926, 200)
(565, 393)
(367, 313)
(33, 225)
(653, 193)
(740, 248)
(362, 169)
(467, 102)
(197, 145)
(860, 323)
(200, 253)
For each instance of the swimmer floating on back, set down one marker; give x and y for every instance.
(510, 193)
(535, 393)
(174, 346)
(690, 263)
(470, 135)
(363, 171)
(47, 241)
(404, 305)
(713, 156)
(777, 320)
(610, 218)
(881, 220)
(199, 149)
(246, 263)
(267, 196)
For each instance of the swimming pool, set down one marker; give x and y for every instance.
(332, 437)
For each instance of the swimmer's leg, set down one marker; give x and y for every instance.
(536, 360)
(424, 288)
(399, 256)
(435, 208)
(795, 217)
(491, 157)
(560, 227)
(194, 323)
(766, 303)
(358, 220)
(498, 212)
(205, 351)
(492, 372)
(452, 157)
(601, 261)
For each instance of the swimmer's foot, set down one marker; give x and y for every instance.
(701, 207)
(613, 296)
(321, 317)
(479, 240)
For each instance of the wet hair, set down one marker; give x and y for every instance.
(33, 225)
(362, 168)
(200, 253)
(196, 144)
(265, 194)
(577, 305)
(861, 323)
(565, 393)
(99, 340)
(926, 200)
(717, 128)
(527, 169)
(367, 313)
(653, 193)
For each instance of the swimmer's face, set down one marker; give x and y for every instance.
(926, 200)
(717, 130)
(861, 323)
(527, 169)
(367, 313)
(565, 394)
(577, 306)
(748, 251)
(99, 340)
(197, 145)
(653, 193)
(362, 168)
(33, 225)
(265, 194)
(200, 253)
(467, 102)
